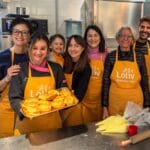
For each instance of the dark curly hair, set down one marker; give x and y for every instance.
(20, 20)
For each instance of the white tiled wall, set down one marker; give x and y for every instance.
(46, 9)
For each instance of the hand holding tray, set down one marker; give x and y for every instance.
(52, 101)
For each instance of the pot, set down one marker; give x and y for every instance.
(21, 10)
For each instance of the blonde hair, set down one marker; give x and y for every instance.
(123, 28)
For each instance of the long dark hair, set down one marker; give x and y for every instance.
(83, 60)
(97, 29)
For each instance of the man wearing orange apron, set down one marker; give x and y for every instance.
(7, 115)
(34, 86)
(147, 59)
(142, 45)
(125, 85)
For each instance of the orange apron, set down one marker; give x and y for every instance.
(34, 87)
(90, 108)
(58, 58)
(125, 85)
(91, 104)
(7, 115)
(147, 61)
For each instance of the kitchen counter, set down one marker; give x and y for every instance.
(73, 138)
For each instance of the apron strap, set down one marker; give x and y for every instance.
(12, 55)
(116, 54)
(134, 45)
(52, 74)
(148, 46)
(134, 55)
(101, 57)
(29, 69)
(50, 70)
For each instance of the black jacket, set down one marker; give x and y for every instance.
(80, 81)
(109, 64)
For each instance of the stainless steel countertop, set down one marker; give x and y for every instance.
(76, 138)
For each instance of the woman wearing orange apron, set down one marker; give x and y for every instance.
(57, 45)
(92, 110)
(125, 77)
(36, 77)
(91, 104)
(77, 72)
(9, 58)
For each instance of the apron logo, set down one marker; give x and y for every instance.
(127, 74)
(42, 89)
(95, 71)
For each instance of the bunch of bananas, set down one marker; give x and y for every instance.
(113, 124)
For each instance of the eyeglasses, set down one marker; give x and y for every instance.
(126, 36)
(23, 33)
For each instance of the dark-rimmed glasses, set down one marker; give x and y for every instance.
(22, 33)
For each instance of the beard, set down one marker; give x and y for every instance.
(144, 35)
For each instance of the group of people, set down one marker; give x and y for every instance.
(103, 81)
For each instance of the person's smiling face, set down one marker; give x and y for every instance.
(125, 39)
(75, 50)
(38, 52)
(20, 35)
(57, 45)
(93, 38)
(144, 30)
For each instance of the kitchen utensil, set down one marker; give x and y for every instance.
(136, 138)
(21, 10)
